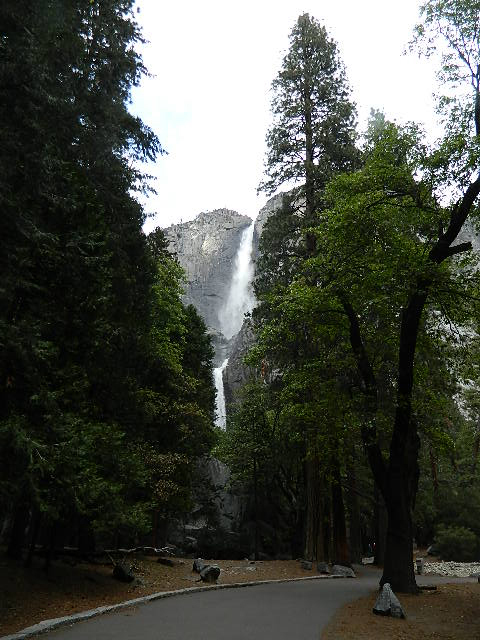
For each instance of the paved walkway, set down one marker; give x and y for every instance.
(292, 610)
(276, 611)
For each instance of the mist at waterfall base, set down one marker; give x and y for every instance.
(240, 300)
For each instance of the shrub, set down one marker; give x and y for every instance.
(456, 543)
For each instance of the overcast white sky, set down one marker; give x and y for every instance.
(209, 98)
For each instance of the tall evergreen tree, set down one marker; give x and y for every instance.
(312, 139)
(92, 329)
(313, 134)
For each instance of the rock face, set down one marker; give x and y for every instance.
(237, 373)
(206, 249)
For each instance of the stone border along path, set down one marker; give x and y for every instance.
(54, 623)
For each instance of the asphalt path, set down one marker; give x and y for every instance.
(277, 611)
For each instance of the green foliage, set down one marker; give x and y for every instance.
(265, 459)
(95, 365)
(365, 317)
(456, 543)
(312, 136)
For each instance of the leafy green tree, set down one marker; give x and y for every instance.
(396, 263)
(264, 458)
(384, 270)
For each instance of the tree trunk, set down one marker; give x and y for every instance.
(399, 495)
(37, 521)
(434, 471)
(255, 492)
(341, 552)
(476, 450)
(314, 539)
(50, 546)
(86, 535)
(381, 519)
(18, 532)
(354, 534)
(398, 566)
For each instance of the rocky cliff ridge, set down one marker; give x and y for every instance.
(206, 248)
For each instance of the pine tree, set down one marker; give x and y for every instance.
(313, 134)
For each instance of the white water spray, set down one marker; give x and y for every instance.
(240, 297)
(221, 417)
(240, 301)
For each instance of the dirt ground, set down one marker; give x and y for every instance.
(449, 613)
(28, 596)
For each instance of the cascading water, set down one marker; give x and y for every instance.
(240, 298)
(240, 301)
(221, 417)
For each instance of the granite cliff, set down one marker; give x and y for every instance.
(207, 248)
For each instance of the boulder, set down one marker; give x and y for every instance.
(388, 604)
(340, 570)
(210, 573)
(307, 565)
(191, 543)
(123, 573)
(167, 562)
(322, 567)
(198, 565)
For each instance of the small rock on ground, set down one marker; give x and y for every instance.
(388, 604)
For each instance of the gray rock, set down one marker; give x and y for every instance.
(210, 573)
(237, 373)
(322, 567)
(191, 543)
(167, 562)
(170, 549)
(123, 573)
(387, 603)
(307, 565)
(198, 565)
(340, 570)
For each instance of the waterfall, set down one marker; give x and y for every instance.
(240, 298)
(221, 419)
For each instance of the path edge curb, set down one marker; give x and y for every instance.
(55, 623)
